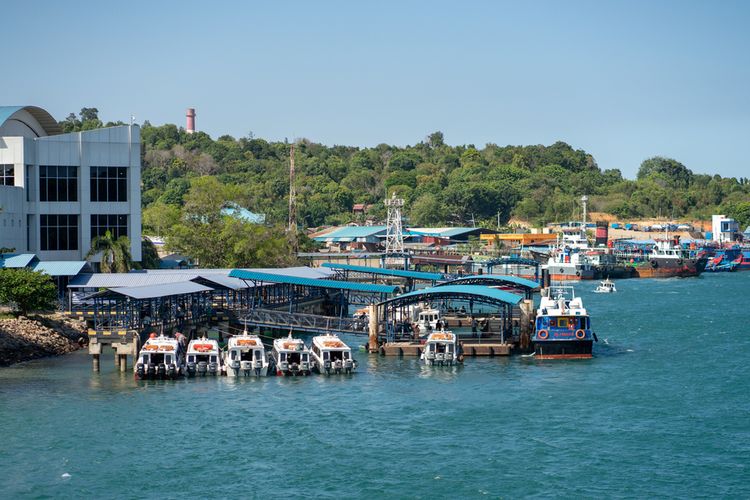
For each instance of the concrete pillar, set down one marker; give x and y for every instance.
(373, 328)
(95, 359)
(526, 322)
(123, 362)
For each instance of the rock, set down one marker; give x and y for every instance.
(22, 338)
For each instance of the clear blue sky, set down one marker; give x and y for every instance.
(622, 80)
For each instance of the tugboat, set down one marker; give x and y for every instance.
(246, 356)
(331, 355)
(441, 348)
(291, 356)
(204, 358)
(606, 286)
(563, 328)
(668, 260)
(161, 357)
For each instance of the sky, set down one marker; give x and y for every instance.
(623, 80)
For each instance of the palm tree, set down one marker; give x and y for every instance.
(115, 253)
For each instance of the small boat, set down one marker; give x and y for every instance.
(606, 286)
(563, 328)
(428, 320)
(204, 358)
(291, 356)
(161, 357)
(246, 356)
(332, 355)
(440, 348)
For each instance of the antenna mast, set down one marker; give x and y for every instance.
(394, 235)
(292, 229)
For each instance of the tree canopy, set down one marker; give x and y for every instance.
(27, 290)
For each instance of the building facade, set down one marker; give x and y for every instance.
(59, 191)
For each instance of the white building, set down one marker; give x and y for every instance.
(58, 191)
(724, 228)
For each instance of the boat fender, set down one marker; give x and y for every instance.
(679, 262)
(578, 273)
(542, 334)
(654, 264)
(580, 334)
(596, 339)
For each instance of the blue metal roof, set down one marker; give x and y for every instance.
(61, 268)
(352, 233)
(479, 292)
(48, 123)
(311, 282)
(16, 260)
(163, 290)
(385, 272)
(493, 279)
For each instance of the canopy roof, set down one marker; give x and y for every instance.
(494, 280)
(311, 282)
(385, 272)
(473, 292)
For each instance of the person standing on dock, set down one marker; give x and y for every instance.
(474, 325)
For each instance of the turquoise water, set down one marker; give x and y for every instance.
(663, 410)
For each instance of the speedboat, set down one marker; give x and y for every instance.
(246, 356)
(440, 348)
(204, 358)
(563, 326)
(332, 355)
(291, 356)
(606, 286)
(161, 357)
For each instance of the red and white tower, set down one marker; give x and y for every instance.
(190, 125)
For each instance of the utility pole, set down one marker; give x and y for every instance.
(292, 229)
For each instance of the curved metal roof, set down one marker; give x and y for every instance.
(480, 293)
(400, 273)
(311, 282)
(48, 123)
(493, 280)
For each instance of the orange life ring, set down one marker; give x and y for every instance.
(542, 334)
(580, 334)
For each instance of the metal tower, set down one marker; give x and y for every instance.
(292, 228)
(394, 239)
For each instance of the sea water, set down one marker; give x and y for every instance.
(663, 409)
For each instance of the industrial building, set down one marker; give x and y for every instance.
(59, 191)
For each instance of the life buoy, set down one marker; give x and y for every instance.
(580, 334)
(542, 334)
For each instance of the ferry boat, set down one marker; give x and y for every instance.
(668, 260)
(440, 348)
(291, 356)
(563, 328)
(203, 358)
(331, 355)
(606, 286)
(246, 356)
(568, 264)
(161, 357)
(428, 320)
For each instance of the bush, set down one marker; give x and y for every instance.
(27, 290)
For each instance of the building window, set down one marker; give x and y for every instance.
(58, 183)
(117, 225)
(59, 232)
(109, 184)
(7, 177)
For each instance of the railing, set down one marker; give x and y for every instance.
(305, 322)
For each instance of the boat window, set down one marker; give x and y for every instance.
(168, 359)
(144, 359)
(232, 354)
(257, 354)
(326, 355)
(304, 357)
(346, 354)
(213, 358)
(562, 322)
(283, 356)
(191, 359)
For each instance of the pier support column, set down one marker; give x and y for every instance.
(123, 362)
(373, 328)
(95, 359)
(525, 326)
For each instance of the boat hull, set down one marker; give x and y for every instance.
(670, 268)
(563, 349)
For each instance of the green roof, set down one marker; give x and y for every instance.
(385, 272)
(493, 280)
(465, 291)
(311, 282)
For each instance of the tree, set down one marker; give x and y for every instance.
(436, 139)
(675, 173)
(116, 256)
(149, 256)
(27, 290)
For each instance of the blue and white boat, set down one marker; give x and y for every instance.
(563, 327)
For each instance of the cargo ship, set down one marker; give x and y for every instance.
(563, 327)
(668, 259)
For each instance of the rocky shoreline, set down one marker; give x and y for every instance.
(24, 339)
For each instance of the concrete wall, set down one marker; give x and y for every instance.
(12, 218)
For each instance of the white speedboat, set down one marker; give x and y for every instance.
(161, 357)
(428, 320)
(606, 286)
(332, 355)
(246, 356)
(203, 358)
(441, 348)
(291, 356)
